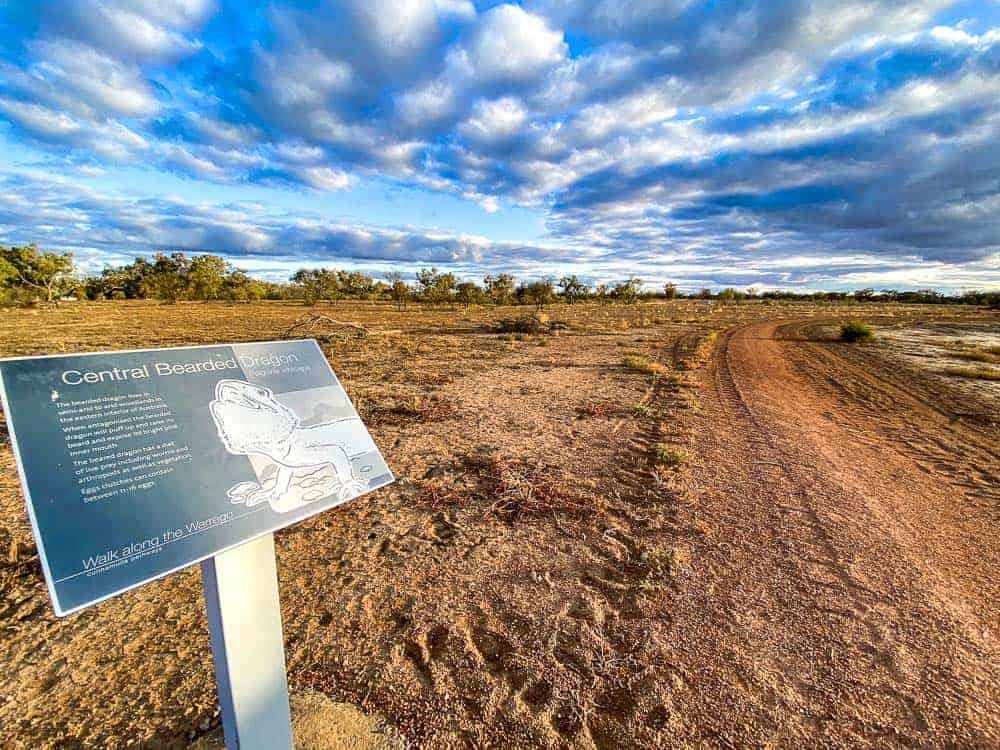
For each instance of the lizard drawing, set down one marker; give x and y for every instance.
(251, 422)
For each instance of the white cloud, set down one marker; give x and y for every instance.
(432, 102)
(141, 30)
(325, 178)
(510, 44)
(494, 120)
(38, 119)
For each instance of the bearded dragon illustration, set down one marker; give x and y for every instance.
(251, 422)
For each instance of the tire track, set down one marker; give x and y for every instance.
(872, 600)
(964, 453)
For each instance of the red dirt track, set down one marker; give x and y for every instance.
(851, 597)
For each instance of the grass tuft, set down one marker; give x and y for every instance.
(664, 455)
(643, 364)
(855, 332)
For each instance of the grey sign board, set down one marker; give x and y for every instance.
(137, 463)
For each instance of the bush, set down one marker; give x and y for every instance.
(855, 331)
(533, 324)
(664, 455)
(642, 364)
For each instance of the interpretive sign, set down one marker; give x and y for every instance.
(137, 463)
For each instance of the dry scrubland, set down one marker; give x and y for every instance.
(675, 524)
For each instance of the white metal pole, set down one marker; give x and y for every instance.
(244, 622)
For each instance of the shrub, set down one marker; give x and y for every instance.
(533, 324)
(642, 364)
(855, 331)
(664, 455)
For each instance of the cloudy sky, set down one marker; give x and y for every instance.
(790, 144)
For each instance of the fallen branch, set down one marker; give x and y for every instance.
(308, 326)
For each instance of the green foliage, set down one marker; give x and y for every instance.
(469, 293)
(643, 364)
(627, 291)
(27, 270)
(399, 290)
(499, 288)
(318, 284)
(436, 286)
(664, 455)
(238, 287)
(572, 288)
(855, 331)
(730, 295)
(26, 273)
(538, 293)
(205, 276)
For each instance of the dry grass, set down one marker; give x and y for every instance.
(643, 364)
(437, 496)
(977, 355)
(515, 488)
(598, 409)
(973, 373)
(488, 552)
(412, 410)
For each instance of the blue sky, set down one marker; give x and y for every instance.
(795, 144)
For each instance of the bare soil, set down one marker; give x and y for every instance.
(760, 537)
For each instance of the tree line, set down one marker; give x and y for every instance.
(28, 274)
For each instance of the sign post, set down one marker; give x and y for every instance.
(244, 622)
(136, 464)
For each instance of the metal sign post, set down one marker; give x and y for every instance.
(244, 622)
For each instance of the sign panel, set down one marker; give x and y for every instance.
(137, 463)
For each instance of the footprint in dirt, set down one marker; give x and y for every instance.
(423, 651)
(499, 655)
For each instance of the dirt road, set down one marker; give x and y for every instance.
(848, 590)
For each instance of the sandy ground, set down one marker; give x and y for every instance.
(819, 568)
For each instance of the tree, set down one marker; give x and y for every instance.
(539, 293)
(239, 287)
(317, 284)
(27, 267)
(628, 291)
(670, 291)
(168, 276)
(355, 284)
(434, 285)
(398, 289)
(469, 293)
(205, 276)
(603, 292)
(499, 288)
(572, 288)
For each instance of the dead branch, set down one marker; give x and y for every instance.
(313, 325)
